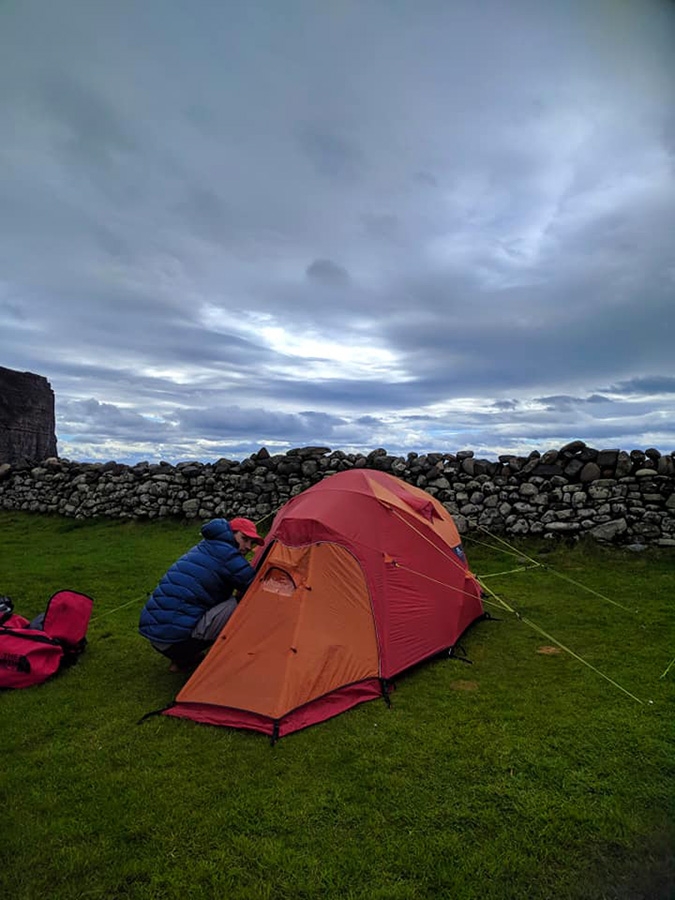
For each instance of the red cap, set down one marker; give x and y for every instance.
(247, 528)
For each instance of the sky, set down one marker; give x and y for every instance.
(413, 224)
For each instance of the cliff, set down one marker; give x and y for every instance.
(27, 423)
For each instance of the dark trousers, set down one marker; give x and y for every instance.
(185, 653)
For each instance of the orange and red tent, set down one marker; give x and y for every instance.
(360, 577)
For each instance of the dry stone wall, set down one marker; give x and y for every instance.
(611, 495)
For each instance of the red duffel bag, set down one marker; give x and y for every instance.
(29, 656)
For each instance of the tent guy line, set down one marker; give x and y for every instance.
(668, 668)
(511, 571)
(540, 565)
(502, 604)
(109, 612)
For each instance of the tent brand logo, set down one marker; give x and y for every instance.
(459, 553)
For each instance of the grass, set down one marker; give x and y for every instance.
(522, 775)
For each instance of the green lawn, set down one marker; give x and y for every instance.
(525, 774)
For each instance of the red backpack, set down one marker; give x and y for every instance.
(28, 655)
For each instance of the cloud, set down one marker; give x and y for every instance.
(664, 384)
(325, 271)
(93, 132)
(382, 226)
(358, 224)
(332, 155)
(263, 424)
(91, 420)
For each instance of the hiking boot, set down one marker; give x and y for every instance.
(174, 667)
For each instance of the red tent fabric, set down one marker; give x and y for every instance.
(360, 577)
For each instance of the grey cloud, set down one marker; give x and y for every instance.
(426, 179)
(236, 422)
(333, 156)
(382, 226)
(368, 420)
(657, 384)
(95, 130)
(13, 311)
(505, 404)
(91, 419)
(325, 271)
(563, 402)
(207, 214)
(494, 233)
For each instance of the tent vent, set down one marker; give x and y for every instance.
(278, 581)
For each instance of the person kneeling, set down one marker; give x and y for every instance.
(191, 604)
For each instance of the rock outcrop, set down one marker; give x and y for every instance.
(27, 424)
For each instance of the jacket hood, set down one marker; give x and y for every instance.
(218, 530)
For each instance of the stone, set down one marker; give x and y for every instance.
(590, 472)
(461, 524)
(573, 447)
(607, 458)
(608, 531)
(528, 490)
(520, 527)
(304, 452)
(441, 483)
(666, 466)
(624, 465)
(468, 465)
(547, 470)
(573, 468)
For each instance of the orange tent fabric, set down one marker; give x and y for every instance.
(360, 577)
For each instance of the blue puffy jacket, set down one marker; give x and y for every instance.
(205, 576)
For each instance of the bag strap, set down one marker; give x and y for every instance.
(37, 638)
